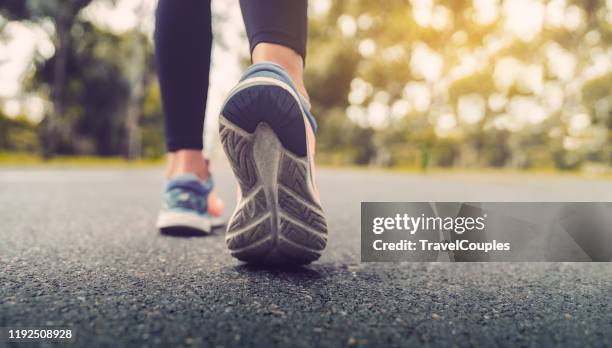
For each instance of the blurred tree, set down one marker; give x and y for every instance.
(63, 14)
(151, 124)
(597, 95)
(17, 134)
(139, 71)
(97, 80)
(107, 78)
(477, 83)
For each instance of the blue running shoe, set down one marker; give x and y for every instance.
(267, 132)
(184, 210)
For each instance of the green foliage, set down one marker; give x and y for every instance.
(415, 141)
(95, 93)
(152, 125)
(481, 83)
(17, 134)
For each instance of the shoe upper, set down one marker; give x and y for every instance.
(187, 193)
(275, 71)
(267, 94)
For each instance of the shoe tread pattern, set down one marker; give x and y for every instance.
(295, 230)
(240, 152)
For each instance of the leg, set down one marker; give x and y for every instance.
(286, 57)
(277, 31)
(267, 132)
(183, 41)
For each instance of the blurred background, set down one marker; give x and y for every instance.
(421, 84)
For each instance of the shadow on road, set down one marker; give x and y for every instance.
(187, 232)
(294, 273)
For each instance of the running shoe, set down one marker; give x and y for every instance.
(189, 206)
(267, 132)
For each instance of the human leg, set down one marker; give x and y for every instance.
(267, 132)
(183, 41)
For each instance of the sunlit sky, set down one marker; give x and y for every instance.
(522, 20)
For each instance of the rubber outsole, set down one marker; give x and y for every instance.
(183, 223)
(277, 220)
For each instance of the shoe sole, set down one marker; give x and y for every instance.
(183, 224)
(277, 220)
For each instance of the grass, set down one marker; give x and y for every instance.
(10, 159)
(589, 171)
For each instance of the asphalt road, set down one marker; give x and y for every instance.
(78, 249)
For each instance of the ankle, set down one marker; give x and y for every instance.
(290, 60)
(187, 162)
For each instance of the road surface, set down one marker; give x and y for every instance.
(78, 249)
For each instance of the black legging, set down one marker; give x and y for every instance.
(183, 41)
